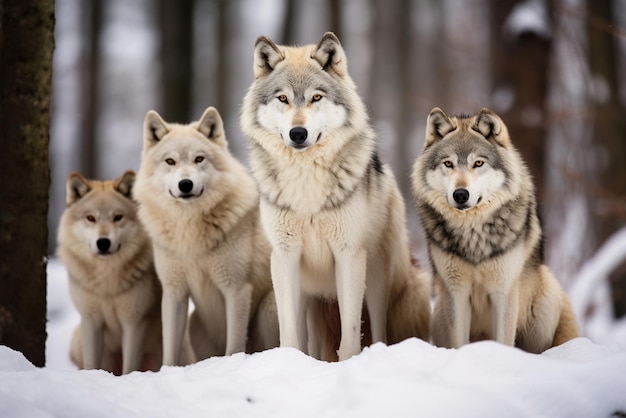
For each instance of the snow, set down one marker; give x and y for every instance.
(529, 16)
(580, 378)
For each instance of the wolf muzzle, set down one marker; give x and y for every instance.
(185, 185)
(104, 245)
(461, 196)
(298, 135)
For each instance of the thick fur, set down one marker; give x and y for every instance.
(112, 278)
(331, 209)
(201, 209)
(477, 203)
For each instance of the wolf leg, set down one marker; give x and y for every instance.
(133, 337)
(174, 307)
(285, 267)
(92, 334)
(504, 314)
(460, 315)
(350, 273)
(237, 303)
(376, 295)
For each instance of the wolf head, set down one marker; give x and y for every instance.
(101, 214)
(467, 160)
(301, 95)
(183, 162)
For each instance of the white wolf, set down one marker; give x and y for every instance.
(477, 203)
(200, 207)
(112, 278)
(332, 211)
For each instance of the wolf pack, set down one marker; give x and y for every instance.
(308, 248)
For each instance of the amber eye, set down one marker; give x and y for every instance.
(91, 219)
(448, 164)
(199, 159)
(282, 98)
(169, 161)
(316, 98)
(479, 163)
(117, 218)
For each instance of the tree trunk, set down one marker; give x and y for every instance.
(608, 185)
(90, 91)
(520, 62)
(26, 45)
(177, 59)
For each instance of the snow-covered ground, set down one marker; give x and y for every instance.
(413, 378)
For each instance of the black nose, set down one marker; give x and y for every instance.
(298, 135)
(185, 185)
(460, 196)
(103, 244)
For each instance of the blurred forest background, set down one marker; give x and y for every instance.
(555, 70)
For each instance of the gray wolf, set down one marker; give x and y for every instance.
(332, 211)
(201, 209)
(113, 282)
(477, 203)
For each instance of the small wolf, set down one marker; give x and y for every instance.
(112, 278)
(332, 211)
(477, 203)
(201, 209)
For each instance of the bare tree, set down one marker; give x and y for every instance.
(176, 23)
(608, 187)
(26, 45)
(90, 79)
(520, 63)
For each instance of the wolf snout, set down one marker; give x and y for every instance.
(185, 185)
(103, 244)
(461, 196)
(298, 135)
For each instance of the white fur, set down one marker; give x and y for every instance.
(355, 252)
(116, 292)
(208, 243)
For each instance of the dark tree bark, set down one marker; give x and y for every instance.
(608, 188)
(177, 58)
(520, 63)
(334, 18)
(26, 45)
(90, 89)
(289, 20)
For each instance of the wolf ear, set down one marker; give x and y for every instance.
(212, 126)
(331, 55)
(154, 129)
(489, 125)
(77, 186)
(124, 184)
(266, 56)
(438, 125)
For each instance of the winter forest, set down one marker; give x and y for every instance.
(554, 70)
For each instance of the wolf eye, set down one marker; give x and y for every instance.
(169, 161)
(316, 98)
(282, 98)
(448, 164)
(199, 159)
(91, 219)
(479, 163)
(117, 218)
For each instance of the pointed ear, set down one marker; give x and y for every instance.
(212, 126)
(489, 125)
(154, 129)
(331, 55)
(266, 56)
(77, 186)
(124, 184)
(438, 125)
